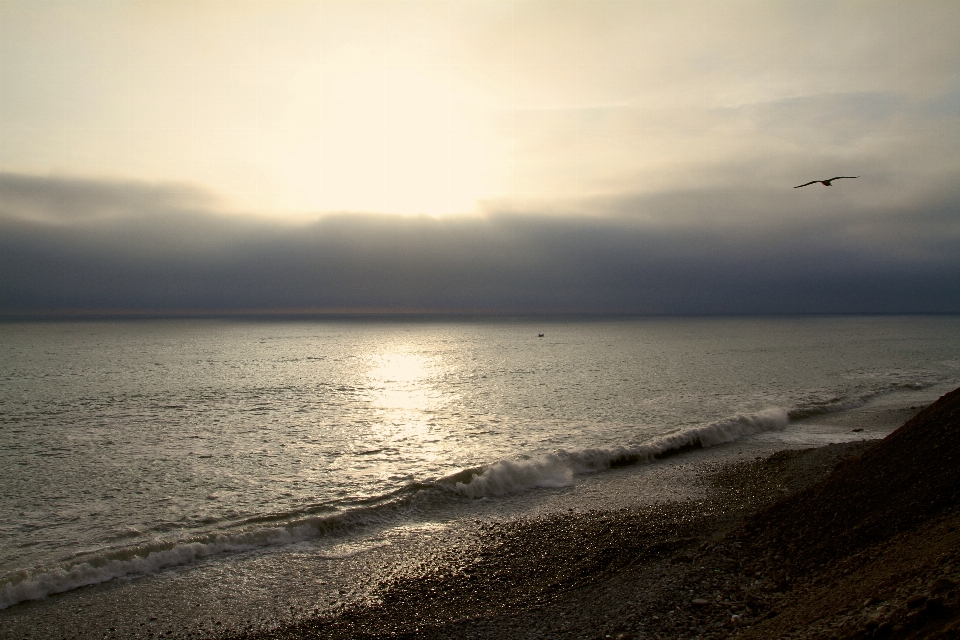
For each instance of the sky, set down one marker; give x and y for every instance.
(489, 156)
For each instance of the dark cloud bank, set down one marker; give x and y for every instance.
(69, 246)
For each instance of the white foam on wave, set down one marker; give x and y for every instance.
(773, 419)
(141, 560)
(512, 476)
(160, 554)
(558, 469)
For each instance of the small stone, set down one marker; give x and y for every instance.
(942, 584)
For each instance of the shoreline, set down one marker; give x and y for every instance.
(620, 573)
(627, 571)
(502, 554)
(850, 541)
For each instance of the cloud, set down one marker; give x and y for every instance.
(60, 200)
(717, 250)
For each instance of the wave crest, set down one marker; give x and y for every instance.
(511, 476)
(558, 469)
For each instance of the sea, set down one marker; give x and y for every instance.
(189, 469)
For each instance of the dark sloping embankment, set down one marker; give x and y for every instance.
(873, 547)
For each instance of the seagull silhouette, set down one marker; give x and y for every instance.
(825, 183)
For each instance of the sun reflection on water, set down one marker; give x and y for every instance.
(400, 382)
(416, 422)
(403, 388)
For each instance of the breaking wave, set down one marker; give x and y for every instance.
(559, 468)
(836, 404)
(255, 533)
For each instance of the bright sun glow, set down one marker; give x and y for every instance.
(276, 108)
(390, 140)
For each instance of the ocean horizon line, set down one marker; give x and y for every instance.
(302, 314)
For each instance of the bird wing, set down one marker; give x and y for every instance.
(803, 185)
(841, 177)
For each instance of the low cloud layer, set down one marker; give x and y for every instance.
(76, 246)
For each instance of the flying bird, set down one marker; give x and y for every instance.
(825, 183)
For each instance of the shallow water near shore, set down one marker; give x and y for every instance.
(228, 448)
